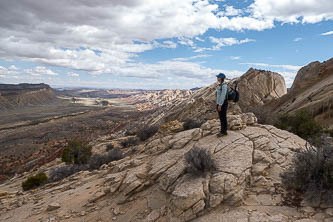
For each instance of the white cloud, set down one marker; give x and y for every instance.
(199, 39)
(298, 39)
(222, 42)
(73, 74)
(39, 71)
(104, 37)
(286, 67)
(169, 44)
(230, 11)
(235, 57)
(6, 72)
(327, 33)
(13, 67)
(293, 11)
(192, 57)
(186, 41)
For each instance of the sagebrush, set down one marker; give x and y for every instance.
(311, 171)
(131, 141)
(61, 172)
(97, 160)
(302, 124)
(34, 181)
(109, 147)
(146, 132)
(198, 161)
(191, 124)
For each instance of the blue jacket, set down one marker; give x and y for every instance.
(221, 92)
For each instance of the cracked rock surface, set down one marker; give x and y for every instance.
(152, 184)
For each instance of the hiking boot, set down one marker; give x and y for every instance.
(221, 134)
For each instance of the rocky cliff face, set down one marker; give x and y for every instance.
(153, 185)
(256, 87)
(163, 98)
(313, 90)
(21, 95)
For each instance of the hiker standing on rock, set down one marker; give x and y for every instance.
(222, 103)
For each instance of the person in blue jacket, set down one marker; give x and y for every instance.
(222, 103)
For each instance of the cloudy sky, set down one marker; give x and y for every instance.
(155, 44)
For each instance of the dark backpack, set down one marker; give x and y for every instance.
(233, 93)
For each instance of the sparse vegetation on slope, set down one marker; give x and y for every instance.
(76, 153)
(34, 181)
(146, 132)
(301, 124)
(198, 161)
(97, 160)
(191, 124)
(131, 141)
(61, 172)
(311, 172)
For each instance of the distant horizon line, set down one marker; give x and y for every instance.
(55, 86)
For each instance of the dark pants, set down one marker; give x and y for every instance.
(223, 117)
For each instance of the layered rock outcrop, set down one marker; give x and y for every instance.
(313, 90)
(153, 185)
(21, 95)
(256, 87)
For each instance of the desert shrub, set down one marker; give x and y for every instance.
(131, 141)
(191, 124)
(130, 133)
(109, 147)
(34, 181)
(198, 161)
(146, 132)
(97, 160)
(329, 132)
(311, 171)
(76, 153)
(301, 124)
(105, 103)
(61, 172)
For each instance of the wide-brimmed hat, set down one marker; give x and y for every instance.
(221, 75)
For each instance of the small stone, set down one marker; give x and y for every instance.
(116, 211)
(329, 211)
(3, 193)
(83, 213)
(153, 216)
(53, 206)
(114, 218)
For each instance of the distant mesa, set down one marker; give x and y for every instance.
(195, 88)
(24, 86)
(13, 96)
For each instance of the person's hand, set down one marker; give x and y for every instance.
(219, 108)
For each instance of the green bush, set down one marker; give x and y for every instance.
(146, 132)
(311, 171)
(191, 124)
(34, 181)
(130, 133)
(301, 124)
(76, 153)
(198, 161)
(131, 141)
(109, 147)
